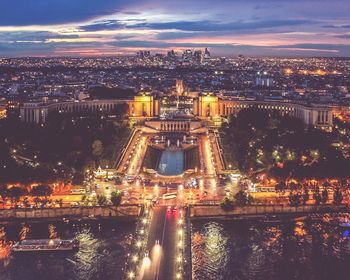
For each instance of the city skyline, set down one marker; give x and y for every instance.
(174, 140)
(228, 28)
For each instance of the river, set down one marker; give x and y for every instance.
(302, 250)
(221, 250)
(102, 252)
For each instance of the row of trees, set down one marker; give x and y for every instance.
(75, 141)
(296, 198)
(320, 197)
(41, 194)
(240, 199)
(261, 140)
(101, 200)
(41, 197)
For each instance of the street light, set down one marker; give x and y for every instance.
(131, 275)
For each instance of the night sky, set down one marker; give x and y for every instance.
(227, 27)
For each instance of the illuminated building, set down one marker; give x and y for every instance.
(142, 106)
(212, 107)
(263, 80)
(2, 110)
(209, 107)
(180, 87)
(206, 106)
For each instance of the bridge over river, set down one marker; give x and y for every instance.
(164, 253)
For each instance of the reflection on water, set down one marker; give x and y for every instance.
(287, 250)
(171, 162)
(102, 251)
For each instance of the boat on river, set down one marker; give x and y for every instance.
(45, 245)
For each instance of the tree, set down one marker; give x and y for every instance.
(59, 202)
(243, 198)
(78, 178)
(3, 193)
(337, 196)
(317, 196)
(97, 148)
(116, 198)
(41, 191)
(227, 204)
(294, 199)
(306, 196)
(89, 165)
(15, 193)
(281, 187)
(101, 200)
(324, 196)
(26, 202)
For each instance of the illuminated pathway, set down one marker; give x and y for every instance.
(208, 158)
(208, 165)
(136, 156)
(164, 246)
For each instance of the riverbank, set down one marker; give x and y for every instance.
(129, 212)
(215, 211)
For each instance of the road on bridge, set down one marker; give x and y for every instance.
(162, 257)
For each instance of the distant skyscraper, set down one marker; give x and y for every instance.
(140, 54)
(187, 56)
(206, 57)
(143, 54)
(171, 54)
(197, 55)
(206, 53)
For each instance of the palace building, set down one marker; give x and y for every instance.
(320, 116)
(143, 106)
(206, 107)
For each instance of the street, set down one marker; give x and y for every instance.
(162, 255)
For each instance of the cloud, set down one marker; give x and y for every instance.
(220, 26)
(337, 26)
(316, 46)
(246, 49)
(46, 12)
(173, 35)
(343, 36)
(125, 36)
(34, 36)
(161, 44)
(103, 25)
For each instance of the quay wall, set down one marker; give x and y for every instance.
(124, 211)
(215, 211)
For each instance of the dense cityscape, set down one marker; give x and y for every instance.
(139, 141)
